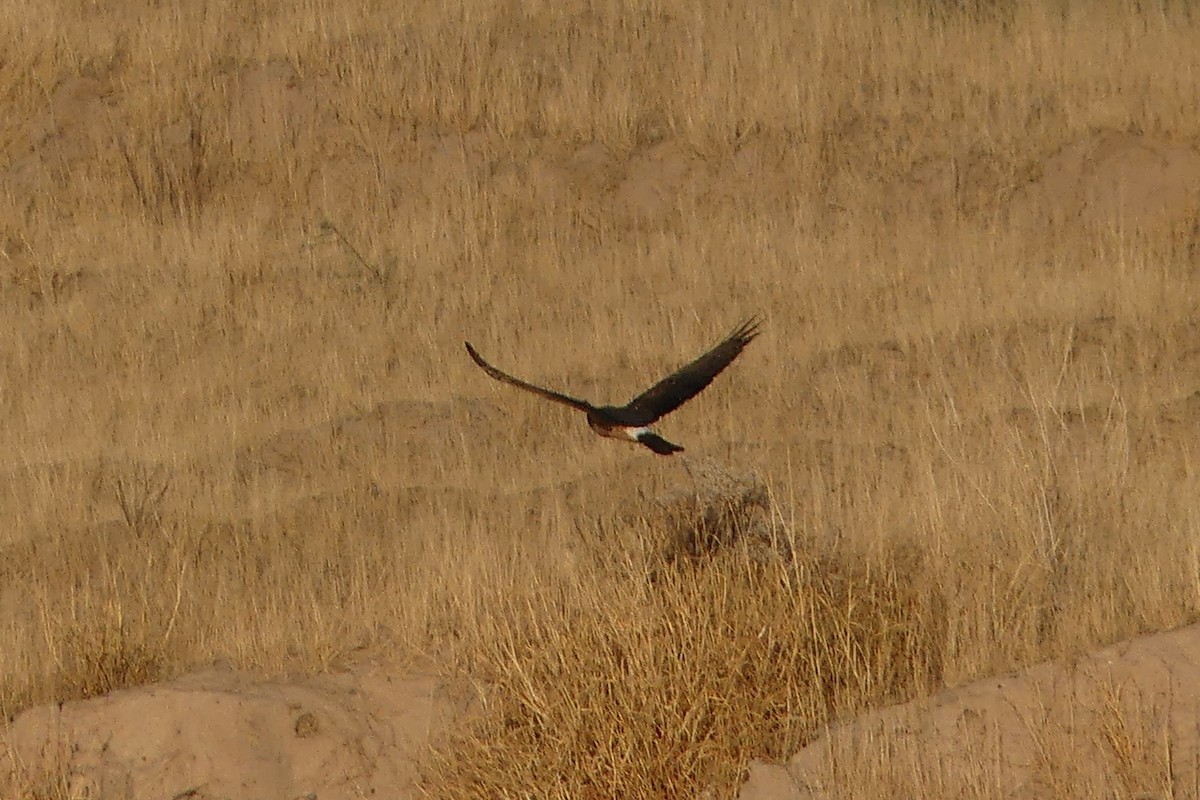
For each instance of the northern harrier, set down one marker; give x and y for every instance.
(632, 421)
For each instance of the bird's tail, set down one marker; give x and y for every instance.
(658, 444)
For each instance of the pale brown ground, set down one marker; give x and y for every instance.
(221, 734)
(1123, 721)
(246, 460)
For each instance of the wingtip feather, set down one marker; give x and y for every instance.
(749, 329)
(474, 354)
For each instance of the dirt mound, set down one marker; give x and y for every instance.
(221, 734)
(1123, 178)
(1121, 721)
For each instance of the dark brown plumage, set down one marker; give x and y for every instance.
(632, 420)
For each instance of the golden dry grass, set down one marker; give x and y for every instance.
(241, 246)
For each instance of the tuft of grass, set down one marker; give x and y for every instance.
(665, 677)
(49, 780)
(105, 656)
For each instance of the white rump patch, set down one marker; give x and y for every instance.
(634, 433)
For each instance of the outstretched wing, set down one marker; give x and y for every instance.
(676, 389)
(529, 387)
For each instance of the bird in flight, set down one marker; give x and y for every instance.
(632, 421)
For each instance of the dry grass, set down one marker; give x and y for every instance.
(241, 248)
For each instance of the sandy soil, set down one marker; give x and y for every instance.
(222, 734)
(1012, 733)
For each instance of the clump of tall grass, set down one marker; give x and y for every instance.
(661, 678)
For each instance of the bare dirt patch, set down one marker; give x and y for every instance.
(1121, 720)
(1127, 180)
(224, 734)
